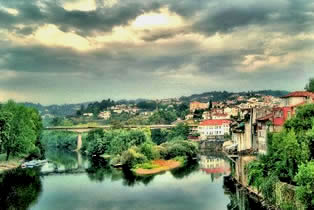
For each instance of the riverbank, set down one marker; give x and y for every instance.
(157, 166)
(8, 165)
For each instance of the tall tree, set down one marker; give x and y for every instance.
(21, 129)
(310, 86)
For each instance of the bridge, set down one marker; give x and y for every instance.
(83, 129)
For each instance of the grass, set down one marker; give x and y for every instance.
(156, 166)
(105, 156)
(148, 165)
(180, 159)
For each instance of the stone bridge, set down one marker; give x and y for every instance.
(84, 129)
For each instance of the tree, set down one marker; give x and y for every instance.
(21, 129)
(310, 86)
(181, 130)
(5, 127)
(210, 105)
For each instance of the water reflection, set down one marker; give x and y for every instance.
(19, 188)
(72, 181)
(239, 198)
(215, 165)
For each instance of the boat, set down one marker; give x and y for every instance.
(33, 163)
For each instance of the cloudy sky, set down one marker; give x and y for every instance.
(66, 51)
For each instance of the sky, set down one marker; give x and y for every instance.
(69, 51)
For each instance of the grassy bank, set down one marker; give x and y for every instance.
(156, 166)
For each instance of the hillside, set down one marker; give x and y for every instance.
(224, 95)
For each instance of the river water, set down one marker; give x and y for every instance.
(70, 181)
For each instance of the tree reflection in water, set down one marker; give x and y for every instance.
(19, 188)
(100, 170)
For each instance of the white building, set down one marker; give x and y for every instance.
(105, 115)
(213, 128)
(88, 114)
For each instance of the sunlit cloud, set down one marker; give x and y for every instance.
(11, 11)
(110, 3)
(157, 20)
(50, 36)
(81, 5)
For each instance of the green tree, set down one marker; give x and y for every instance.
(310, 86)
(181, 130)
(305, 180)
(22, 129)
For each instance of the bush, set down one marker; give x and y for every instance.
(97, 147)
(59, 139)
(131, 157)
(150, 152)
(184, 148)
(305, 181)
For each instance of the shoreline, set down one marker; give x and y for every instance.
(9, 165)
(163, 165)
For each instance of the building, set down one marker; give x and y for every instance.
(206, 115)
(195, 105)
(104, 115)
(263, 126)
(297, 98)
(274, 120)
(88, 114)
(189, 117)
(214, 128)
(220, 116)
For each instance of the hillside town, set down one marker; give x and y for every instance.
(248, 122)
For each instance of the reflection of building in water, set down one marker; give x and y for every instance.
(214, 165)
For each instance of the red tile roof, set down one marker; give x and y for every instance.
(299, 94)
(214, 122)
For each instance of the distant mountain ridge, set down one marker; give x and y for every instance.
(225, 95)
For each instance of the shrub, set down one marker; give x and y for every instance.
(180, 148)
(97, 147)
(305, 181)
(131, 157)
(149, 151)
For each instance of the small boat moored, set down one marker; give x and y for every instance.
(33, 163)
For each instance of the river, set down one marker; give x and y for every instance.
(71, 181)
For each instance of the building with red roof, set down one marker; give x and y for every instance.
(275, 120)
(297, 97)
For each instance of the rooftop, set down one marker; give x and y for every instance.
(299, 94)
(214, 122)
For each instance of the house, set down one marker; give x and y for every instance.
(104, 115)
(88, 114)
(195, 105)
(274, 120)
(243, 132)
(297, 98)
(189, 117)
(220, 116)
(214, 128)
(206, 115)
